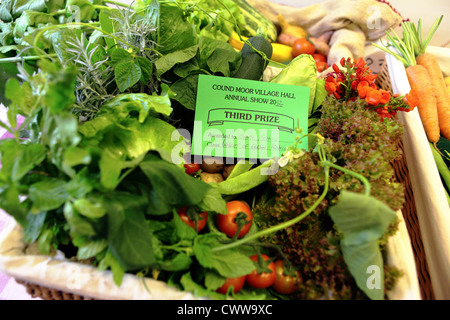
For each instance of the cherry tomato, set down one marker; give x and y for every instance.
(319, 57)
(320, 65)
(302, 46)
(190, 221)
(237, 284)
(191, 168)
(284, 284)
(228, 224)
(264, 279)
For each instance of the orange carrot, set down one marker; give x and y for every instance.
(420, 82)
(408, 48)
(430, 63)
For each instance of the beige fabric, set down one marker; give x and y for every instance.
(354, 22)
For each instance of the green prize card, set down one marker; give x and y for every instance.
(246, 119)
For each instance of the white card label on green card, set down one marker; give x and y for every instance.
(246, 119)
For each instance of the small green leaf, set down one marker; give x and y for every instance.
(168, 61)
(120, 55)
(29, 19)
(361, 260)
(363, 220)
(224, 61)
(10, 203)
(172, 184)
(20, 6)
(89, 208)
(228, 263)
(186, 91)
(80, 184)
(78, 224)
(110, 262)
(213, 201)
(48, 194)
(91, 248)
(45, 241)
(213, 280)
(75, 156)
(182, 231)
(109, 171)
(181, 261)
(21, 97)
(129, 235)
(109, 24)
(146, 69)
(26, 158)
(127, 75)
(191, 286)
(35, 222)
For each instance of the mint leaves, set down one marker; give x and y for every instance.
(129, 69)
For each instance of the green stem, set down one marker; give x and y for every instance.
(116, 3)
(352, 173)
(179, 248)
(283, 225)
(100, 7)
(55, 13)
(444, 171)
(24, 58)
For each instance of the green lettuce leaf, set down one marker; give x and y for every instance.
(363, 220)
(172, 185)
(301, 71)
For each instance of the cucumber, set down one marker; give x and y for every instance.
(253, 64)
(256, 22)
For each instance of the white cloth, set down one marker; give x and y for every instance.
(353, 22)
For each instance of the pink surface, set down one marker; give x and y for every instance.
(9, 288)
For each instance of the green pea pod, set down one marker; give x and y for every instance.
(248, 180)
(241, 167)
(444, 171)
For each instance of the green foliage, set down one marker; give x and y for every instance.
(363, 221)
(335, 244)
(95, 173)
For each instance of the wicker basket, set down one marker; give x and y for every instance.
(409, 210)
(46, 291)
(432, 207)
(38, 291)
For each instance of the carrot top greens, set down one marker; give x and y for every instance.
(411, 45)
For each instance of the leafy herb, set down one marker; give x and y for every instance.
(322, 244)
(95, 177)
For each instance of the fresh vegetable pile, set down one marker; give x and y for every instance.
(91, 170)
(291, 42)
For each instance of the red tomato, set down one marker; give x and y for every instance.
(302, 46)
(237, 284)
(264, 279)
(319, 57)
(284, 284)
(191, 168)
(228, 224)
(320, 65)
(190, 221)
